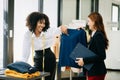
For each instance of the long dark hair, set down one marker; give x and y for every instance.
(97, 18)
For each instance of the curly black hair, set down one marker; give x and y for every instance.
(33, 18)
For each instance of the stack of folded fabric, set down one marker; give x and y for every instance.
(21, 70)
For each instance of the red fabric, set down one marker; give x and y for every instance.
(101, 77)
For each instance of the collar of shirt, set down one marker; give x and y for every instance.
(93, 32)
(41, 34)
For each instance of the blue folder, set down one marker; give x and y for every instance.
(81, 51)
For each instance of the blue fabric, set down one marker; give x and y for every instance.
(22, 67)
(68, 43)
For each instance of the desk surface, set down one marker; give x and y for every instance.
(4, 77)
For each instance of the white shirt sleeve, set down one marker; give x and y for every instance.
(26, 46)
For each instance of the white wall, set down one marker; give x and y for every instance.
(113, 52)
(85, 9)
(105, 9)
(50, 9)
(69, 11)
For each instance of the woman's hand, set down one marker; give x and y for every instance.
(64, 29)
(80, 27)
(79, 61)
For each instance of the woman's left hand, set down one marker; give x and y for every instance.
(79, 61)
(64, 29)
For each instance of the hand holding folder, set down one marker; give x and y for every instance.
(81, 51)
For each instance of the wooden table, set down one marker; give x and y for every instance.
(4, 77)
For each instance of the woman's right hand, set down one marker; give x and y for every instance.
(79, 61)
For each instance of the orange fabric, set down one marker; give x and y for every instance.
(13, 73)
(67, 68)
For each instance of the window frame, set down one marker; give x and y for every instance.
(114, 5)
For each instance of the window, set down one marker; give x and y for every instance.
(115, 10)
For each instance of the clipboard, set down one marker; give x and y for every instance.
(80, 51)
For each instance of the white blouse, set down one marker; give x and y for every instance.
(37, 42)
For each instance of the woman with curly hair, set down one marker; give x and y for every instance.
(41, 37)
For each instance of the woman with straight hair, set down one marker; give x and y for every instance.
(98, 44)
